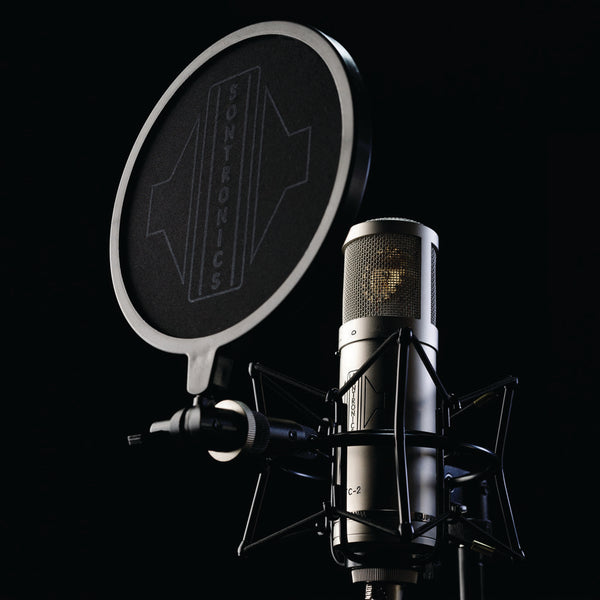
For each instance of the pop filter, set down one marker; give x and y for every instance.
(253, 155)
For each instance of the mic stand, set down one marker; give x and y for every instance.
(470, 574)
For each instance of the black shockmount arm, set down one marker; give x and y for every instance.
(331, 434)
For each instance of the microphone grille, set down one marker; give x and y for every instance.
(382, 276)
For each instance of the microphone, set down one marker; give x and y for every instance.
(389, 284)
(230, 428)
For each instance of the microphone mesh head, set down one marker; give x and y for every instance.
(382, 276)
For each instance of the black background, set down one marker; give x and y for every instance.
(486, 128)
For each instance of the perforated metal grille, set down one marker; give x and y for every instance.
(434, 285)
(382, 277)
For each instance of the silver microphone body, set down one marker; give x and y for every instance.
(389, 284)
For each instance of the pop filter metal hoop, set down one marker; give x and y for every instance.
(344, 196)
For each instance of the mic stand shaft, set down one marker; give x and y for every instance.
(470, 574)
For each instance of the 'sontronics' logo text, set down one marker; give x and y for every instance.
(230, 179)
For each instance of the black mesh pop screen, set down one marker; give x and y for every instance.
(382, 276)
(229, 186)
